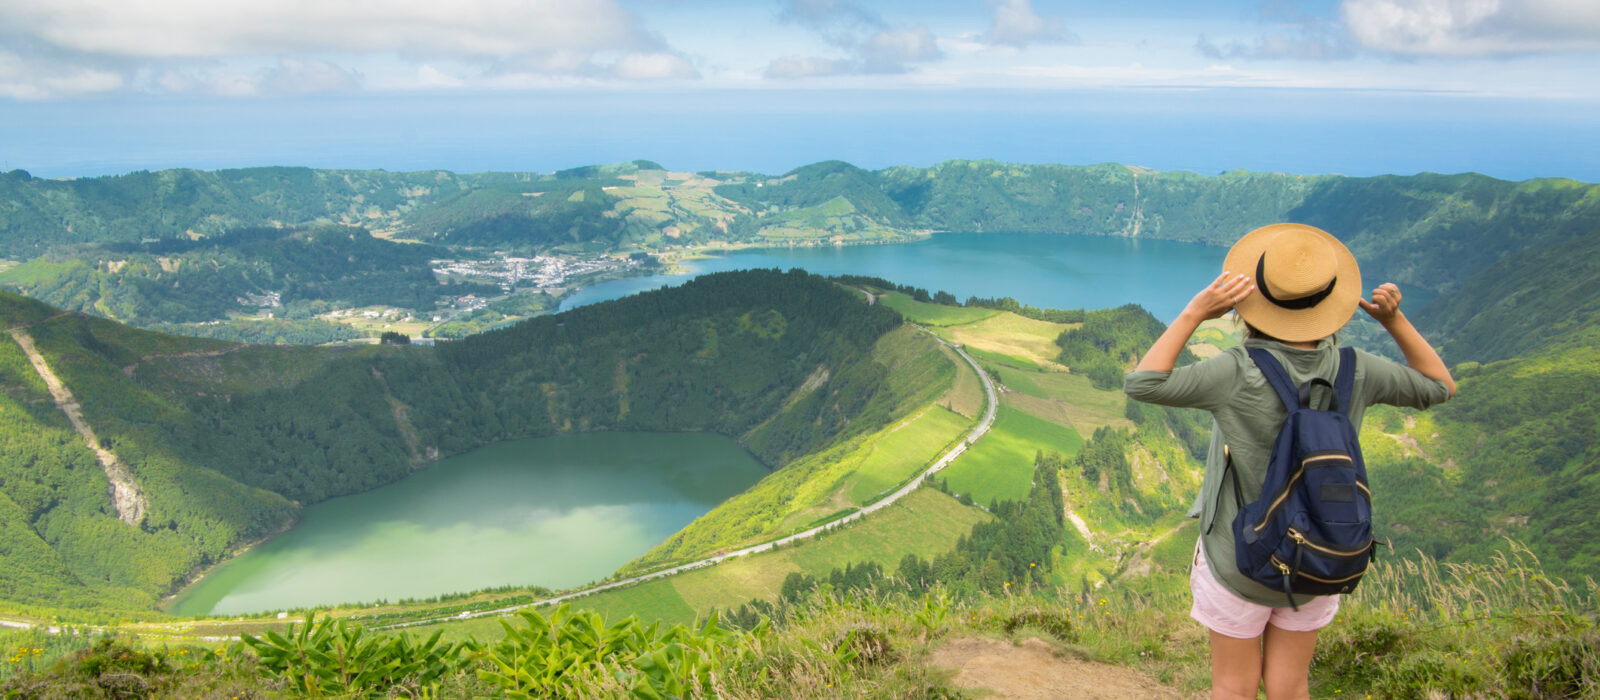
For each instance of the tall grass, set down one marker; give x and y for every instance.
(1419, 628)
(1416, 628)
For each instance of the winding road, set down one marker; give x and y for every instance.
(944, 460)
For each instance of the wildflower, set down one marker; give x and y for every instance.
(1102, 601)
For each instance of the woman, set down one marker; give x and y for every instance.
(1294, 286)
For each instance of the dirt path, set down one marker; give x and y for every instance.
(125, 493)
(1031, 670)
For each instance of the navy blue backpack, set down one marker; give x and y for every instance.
(1311, 530)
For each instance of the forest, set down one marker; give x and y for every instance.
(227, 440)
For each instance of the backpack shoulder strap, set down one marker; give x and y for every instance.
(1344, 382)
(1278, 377)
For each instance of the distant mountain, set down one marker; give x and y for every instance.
(1428, 232)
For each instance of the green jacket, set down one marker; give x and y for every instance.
(1247, 417)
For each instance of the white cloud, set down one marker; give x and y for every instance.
(1305, 46)
(1016, 24)
(22, 78)
(1465, 28)
(430, 77)
(308, 76)
(653, 66)
(200, 29)
(807, 67)
(289, 76)
(285, 45)
(889, 49)
(873, 46)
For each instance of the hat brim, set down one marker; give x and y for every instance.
(1295, 325)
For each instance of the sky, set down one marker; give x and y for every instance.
(1510, 88)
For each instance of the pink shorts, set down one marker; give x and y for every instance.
(1223, 612)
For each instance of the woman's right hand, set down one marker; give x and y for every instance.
(1385, 304)
(1220, 296)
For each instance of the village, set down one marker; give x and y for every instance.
(540, 271)
(532, 284)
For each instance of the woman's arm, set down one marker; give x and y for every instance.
(1212, 302)
(1385, 309)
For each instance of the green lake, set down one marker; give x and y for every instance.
(555, 512)
(559, 512)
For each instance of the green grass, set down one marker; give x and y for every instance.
(926, 523)
(1000, 466)
(1010, 334)
(651, 600)
(992, 358)
(37, 271)
(905, 451)
(1030, 383)
(810, 487)
(1065, 399)
(933, 314)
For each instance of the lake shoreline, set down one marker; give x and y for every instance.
(502, 518)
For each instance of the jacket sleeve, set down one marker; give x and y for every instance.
(1386, 381)
(1206, 384)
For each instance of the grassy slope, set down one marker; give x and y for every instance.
(1000, 467)
(933, 314)
(133, 386)
(926, 523)
(54, 512)
(816, 486)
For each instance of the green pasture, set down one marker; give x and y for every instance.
(966, 395)
(1064, 398)
(905, 450)
(37, 271)
(1000, 466)
(992, 358)
(1011, 335)
(933, 314)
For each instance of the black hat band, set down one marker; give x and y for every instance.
(1304, 302)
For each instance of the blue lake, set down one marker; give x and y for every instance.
(1044, 270)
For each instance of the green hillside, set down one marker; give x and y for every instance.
(193, 246)
(1090, 555)
(224, 441)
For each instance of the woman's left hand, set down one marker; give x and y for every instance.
(1220, 296)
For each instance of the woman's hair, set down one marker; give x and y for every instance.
(1253, 332)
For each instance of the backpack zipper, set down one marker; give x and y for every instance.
(1281, 566)
(1290, 485)
(1305, 540)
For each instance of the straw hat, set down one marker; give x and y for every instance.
(1307, 282)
